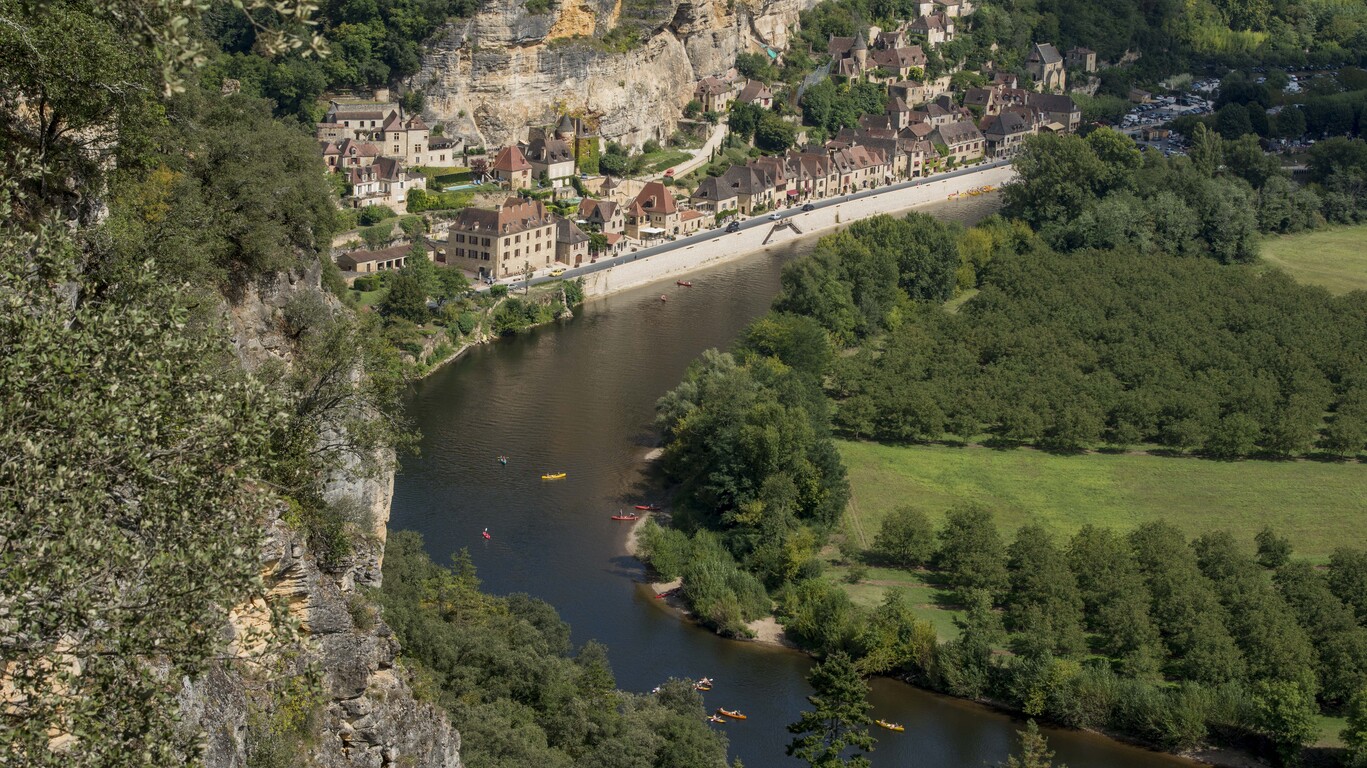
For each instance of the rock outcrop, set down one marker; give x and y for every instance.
(489, 77)
(364, 713)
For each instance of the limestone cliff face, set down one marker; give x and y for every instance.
(487, 78)
(368, 717)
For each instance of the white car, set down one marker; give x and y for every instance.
(774, 216)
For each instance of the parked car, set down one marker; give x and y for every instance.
(809, 207)
(774, 216)
(733, 226)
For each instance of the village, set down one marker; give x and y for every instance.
(545, 204)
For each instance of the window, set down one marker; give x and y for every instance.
(507, 241)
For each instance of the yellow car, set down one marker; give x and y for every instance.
(557, 272)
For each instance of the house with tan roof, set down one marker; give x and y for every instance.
(859, 167)
(369, 262)
(357, 119)
(510, 167)
(653, 213)
(898, 62)
(933, 30)
(714, 93)
(756, 92)
(601, 215)
(503, 241)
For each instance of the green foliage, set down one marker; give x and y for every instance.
(1034, 750)
(374, 214)
(1355, 733)
(1035, 313)
(1286, 713)
(971, 552)
(231, 196)
(838, 721)
(906, 538)
(133, 492)
(519, 315)
(420, 200)
(504, 668)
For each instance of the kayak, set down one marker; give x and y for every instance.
(556, 476)
(649, 507)
(626, 517)
(715, 719)
(891, 726)
(684, 283)
(731, 713)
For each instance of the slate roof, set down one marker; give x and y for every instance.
(1045, 53)
(958, 132)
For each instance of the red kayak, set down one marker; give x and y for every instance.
(626, 517)
(649, 507)
(486, 534)
(684, 283)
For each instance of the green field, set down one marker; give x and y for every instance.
(1335, 259)
(928, 600)
(1317, 505)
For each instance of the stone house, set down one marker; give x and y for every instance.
(756, 92)
(503, 241)
(1006, 132)
(384, 182)
(370, 262)
(691, 221)
(714, 93)
(1045, 65)
(956, 8)
(1080, 58)
(1058, 109)
(982, 100)
(653, 213)
(850, 54)
(858, 167)
(963, 140)
(602, 215)
(404, 139)
(571, 244)
(553, 158)
(714, 196)
(898, 62)
(510, 167)
(355, 119)
(933, 30)
(349, 153)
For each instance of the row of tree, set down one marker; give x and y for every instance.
(1077, 351)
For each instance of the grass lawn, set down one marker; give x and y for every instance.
(1330, 728)
(369, 298)
(1335, 258)
(663, 159)
(928, 600)
(1318, 506)
(953, 305)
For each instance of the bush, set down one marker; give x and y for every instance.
(498, 291)
(374, 214)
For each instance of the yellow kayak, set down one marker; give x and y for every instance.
(556, 476)
(891, 726)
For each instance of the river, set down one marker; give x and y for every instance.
(579, 397)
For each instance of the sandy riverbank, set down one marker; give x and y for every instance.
(674, 264)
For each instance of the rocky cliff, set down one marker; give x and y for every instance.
(489, 77)
(359, 711)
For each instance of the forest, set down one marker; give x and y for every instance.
(520, 695)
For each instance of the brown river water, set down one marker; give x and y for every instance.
(578, 397)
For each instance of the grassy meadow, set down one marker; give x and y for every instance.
(1335, 259)
(1317, 505)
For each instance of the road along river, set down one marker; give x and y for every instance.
(578, 397)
